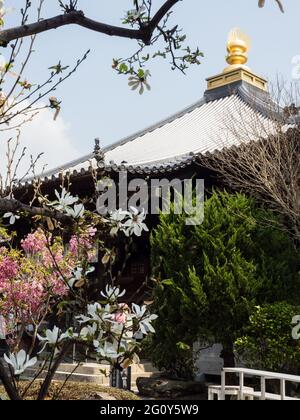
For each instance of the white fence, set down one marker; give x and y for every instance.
(248, 393)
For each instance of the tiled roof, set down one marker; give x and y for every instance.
(174, 142)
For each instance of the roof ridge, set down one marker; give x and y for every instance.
(260, 100)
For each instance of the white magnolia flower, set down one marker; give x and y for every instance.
(3, 331)
(117, 218)
(76, 212)
(64, 200)
(53, 337)
(20, 361)
(97, 341)
(92, 311)
(2, 94)
(95, 313)
(88, 331)
(146, 326)
(12, 217)
(109, 351)
(119, 215)
(113, 293)
(78, 275)
(140, 81)
(137, 13)
(116, 328)
(143, 319)
(139, 311)
(128, 346)
(135, 224)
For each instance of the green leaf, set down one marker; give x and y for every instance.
(123, 68)
(141, 73)
(182, 346)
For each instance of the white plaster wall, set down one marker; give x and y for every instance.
(208, 361)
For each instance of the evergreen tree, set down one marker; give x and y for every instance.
(211, 276)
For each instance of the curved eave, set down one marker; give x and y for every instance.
(144, 170)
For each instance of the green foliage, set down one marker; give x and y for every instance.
(267, 342)
(216, 274)
(180, 299)
(277, 260)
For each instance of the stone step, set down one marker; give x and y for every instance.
(91, 373)
(85, 368)
(76, 377)
(95, 379)
(97, 369)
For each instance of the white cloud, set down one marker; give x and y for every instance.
(42, 135)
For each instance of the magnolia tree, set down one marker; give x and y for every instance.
(49, 275)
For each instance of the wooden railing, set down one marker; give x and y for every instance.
(264, 376)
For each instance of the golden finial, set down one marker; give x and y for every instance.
(238, 45)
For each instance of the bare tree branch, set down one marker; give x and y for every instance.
(264, 163)
(163, 11)
(78, 18)
(261, 3)
(12, 205)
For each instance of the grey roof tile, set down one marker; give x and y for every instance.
(174, 142)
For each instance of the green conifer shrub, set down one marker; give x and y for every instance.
(210, 277)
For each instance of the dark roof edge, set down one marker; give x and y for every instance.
(160, 166)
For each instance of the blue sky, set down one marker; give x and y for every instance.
(98, 103)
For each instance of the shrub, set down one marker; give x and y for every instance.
(211, 276)
(267, 343)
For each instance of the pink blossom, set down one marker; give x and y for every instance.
(119, 317)
(92, 231)
(8, 270)
(34, 242)
(83, 243)
(38, 274)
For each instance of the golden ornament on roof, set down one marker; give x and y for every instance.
(238, 46)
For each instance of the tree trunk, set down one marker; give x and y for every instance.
(227, 354)
(47, 382)
(7, 383)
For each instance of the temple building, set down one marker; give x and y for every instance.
(172, 148)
